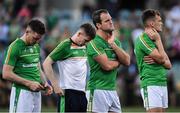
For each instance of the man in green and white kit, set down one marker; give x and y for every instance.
(152, 63)
(71, 58)
(104, 56)
(22, 67)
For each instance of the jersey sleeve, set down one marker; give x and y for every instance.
(93, 49)
(11, 54)
(59, 52)
(146, 44)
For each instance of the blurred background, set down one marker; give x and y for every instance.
(63, 17)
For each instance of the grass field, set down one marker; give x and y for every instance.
(124, 109)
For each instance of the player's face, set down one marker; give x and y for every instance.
(83, 38)
(32, 37)
(106, 23)
(158, 23)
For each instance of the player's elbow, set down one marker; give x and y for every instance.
(127, 61)
(169, 66)
(5, 75)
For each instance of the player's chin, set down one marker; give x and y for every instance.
(159, 30)
(112, 29)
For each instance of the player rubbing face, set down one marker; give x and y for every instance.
(32, 37)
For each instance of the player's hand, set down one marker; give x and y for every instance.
(152, 33)
(111, 41)
(48, 89)
(111, 38)
(35, 86)
(149, 60)
(58, 90)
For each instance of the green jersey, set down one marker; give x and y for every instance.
(24, 59)
(72, 64)
(150, 74)
(99, 78)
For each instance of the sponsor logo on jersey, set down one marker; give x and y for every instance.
(30, 65)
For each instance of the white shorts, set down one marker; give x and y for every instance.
(22, 100)
(103, 101)
(155, 96)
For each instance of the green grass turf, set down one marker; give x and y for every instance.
(124, 109)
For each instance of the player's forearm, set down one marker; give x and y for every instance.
(167, 63)
(161, 51)
(48, 69)
(110, 65)
(123, 57)
(42, 75)
(49, 73)
(15, 78)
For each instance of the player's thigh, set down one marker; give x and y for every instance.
(12, 106)
(152, 97)
(97, 101)
(102, 101)
(164, 97)
(21, 100)
(83, 102)
(75, 101)
(116, 106)
(37, 102)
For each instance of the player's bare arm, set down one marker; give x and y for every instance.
(47, 65)
(149, 60)
(48, 89)
(167, 64)
(8, 74)
(159, 54)
(105, 63)
(123, 57)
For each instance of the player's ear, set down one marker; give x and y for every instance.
(151, 23)
(98, 25)
(79, 33)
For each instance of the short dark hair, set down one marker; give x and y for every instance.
(89, 29)
(37, 26)
(149, 14)
(96, 16)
